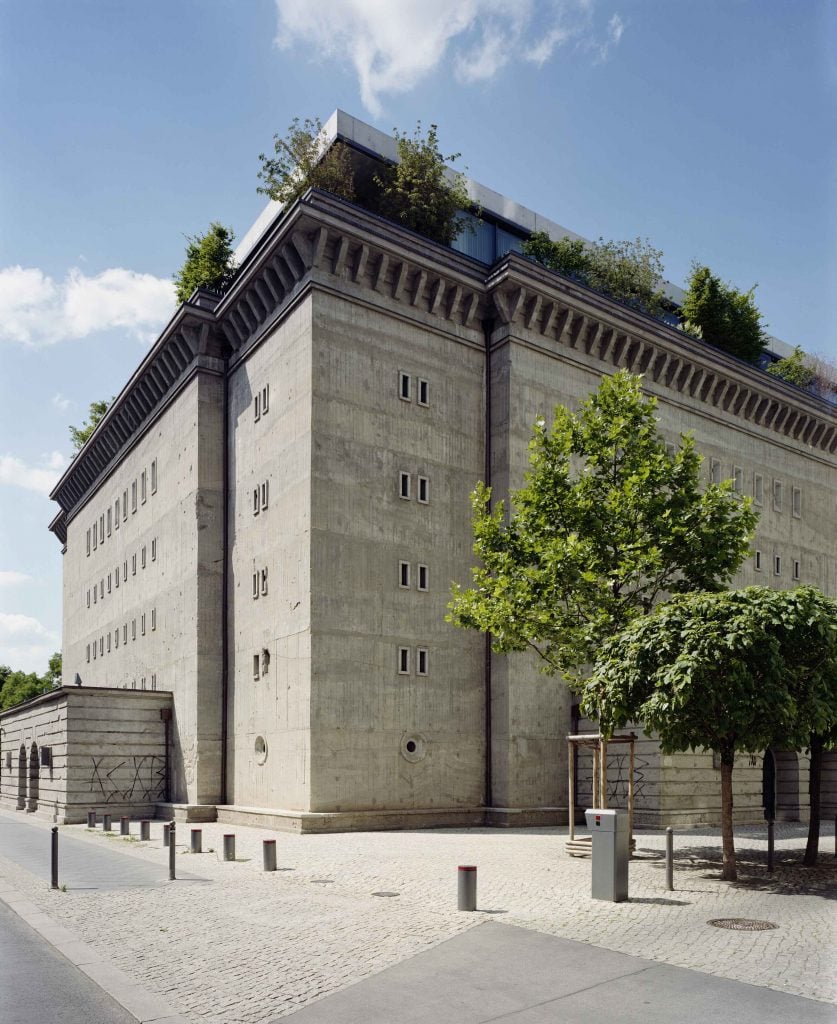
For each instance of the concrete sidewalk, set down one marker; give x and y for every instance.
(496, 972)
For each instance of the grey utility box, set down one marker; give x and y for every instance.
(609, 830)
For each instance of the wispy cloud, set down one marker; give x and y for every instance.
(11, 578)
(37, 310)
(25, 642)
(61, 402)
(41, 479)
(394, 44)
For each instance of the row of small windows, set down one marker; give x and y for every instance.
(716, 476)
(758, 565)
(112, 579)
(109, 520)
(142, 683)
(405, 575)
(102, 645)
(260, 583)
(261, 403)
(260, 496)
(405, 487)
(405, 659)
(405, 389)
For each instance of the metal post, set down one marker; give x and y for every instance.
(670, 859)
(166, 831)
(54, 858)
(124, 826)
(145, 831)
(91, 819)
(197, 840)
(571, 794)
(229, 847)
(269, 854)
(106, 822)
(770, 824)
(467, 887)
(172, 850)
(835, 835)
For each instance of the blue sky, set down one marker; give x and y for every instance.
(708, 128)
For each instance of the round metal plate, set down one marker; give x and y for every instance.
(742, 924)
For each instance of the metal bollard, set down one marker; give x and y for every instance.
(670, 859)
(835, 835)
(91, 819)
(145, 831)
(124, 826)
(106, 823)
(269, 854)
(197, 840)
(54, 857)
(467, 887)
(166, 831)
(172, 849)
(770, 846)
(229, 847)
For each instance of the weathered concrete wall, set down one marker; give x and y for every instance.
(107, 752)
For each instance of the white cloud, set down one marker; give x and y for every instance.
(394, 44)
(42, 479)
(61, 402)
(36, 310)
(10, 577)
(25, 643)
(15, 626)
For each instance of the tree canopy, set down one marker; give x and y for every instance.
(17, 686)
(301, 161)
(795, 369)
(209, 263)
(80, 435)
(607, 523)
(728, 318)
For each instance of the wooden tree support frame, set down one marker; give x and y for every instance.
(580, 846)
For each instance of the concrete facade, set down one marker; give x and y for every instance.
(313, 437)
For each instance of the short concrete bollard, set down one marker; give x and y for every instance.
(91, 819)
(770, 845)
(54, 857)
(197, 840)
(467, 887)
(229, 847)
(670, 859)
(125, 826)
(269, 854)
(172, 849)
(145, 831)
(106, 823)
(166, 831)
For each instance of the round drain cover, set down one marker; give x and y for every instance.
(386, 893)
(742, 924)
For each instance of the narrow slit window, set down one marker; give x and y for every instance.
(796, 568)
(134, 564)
(265, 397)
(125, 505)
(102, 528)
(423, 580)
(142, 624)
(143, 487)
(738, 479)
(154, 549)
(95, 594)
(109, 579)
(108, 641)
(142, 683)
(88, 543)
(153, 680)
(264, 494)
(153, 476)
(777, 565)
(423, 490)
(116, 576)
(88, 652)
(255, 586)
(257, 407)
(404, 574)
(125, 570)
(256, 503)
(256, 669)
(153, 619)
(124, 632)
(101, 646)
(796, 502)
(758, 489)
(421, 661)
(102, 588)
(143, 556)
(133, 629)
(264, 582)
(95, 535)
(714, 471)
(404, 486)
(777, 495)
(94, 650)
(116, 514)
(423, 392)
(757, 561)
(403, 661)
(134, 496)
(404, 389)
(88, 597)
(116, 637)
(110, 519)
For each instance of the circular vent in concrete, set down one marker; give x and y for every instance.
(260, 750)
(413, 747)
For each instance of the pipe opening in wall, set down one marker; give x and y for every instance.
(260, 748)
(411, 746)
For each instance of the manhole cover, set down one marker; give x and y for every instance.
(742, 924)
(386, 893)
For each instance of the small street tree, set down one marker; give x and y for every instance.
(80, 435)
(728, 671)
(301, 161)
(728, 318)
(209, 263)
(607, 523)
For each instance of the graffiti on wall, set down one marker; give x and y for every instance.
(140, 777)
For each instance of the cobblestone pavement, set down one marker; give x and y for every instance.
(245, 946)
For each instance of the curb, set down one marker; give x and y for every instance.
(144, 1006)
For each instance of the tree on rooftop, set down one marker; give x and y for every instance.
(607, 522)
(209, 263)
(727, 317)
(795, 369)
(80, 435)
(301, 161)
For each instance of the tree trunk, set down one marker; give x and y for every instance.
(814, 780)
(728, 873)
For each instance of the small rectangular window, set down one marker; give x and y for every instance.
(256, 502)
(153, 619)
(142, 559)
(134, 564)
(110, 519)
(404, 574)
(94, 650)
(404, 486)
(714, 471)
(95, 594)
(404, 390)
(423, 583)
(265, 395)
(125, 570)
(264, 494)
(796, 568)
(777, 495)
(88, 652)
(264, 582)
(142, 624)
(88, 543)
(421, 661)
(101, 646)
(116, 637)
(257, 407)
(88, 597)
(116, 514)
(153, 476)
(95, 535)
(423, 490)
(133, 684)
(125, 505)
(153, 680)
(109, 578)
(142, 683)
(403, 661)
(143, 488)
(154, 549)
(738, 479)
(134, 496)
(423, 392)
(255, 586)
(796, 502)
(102, 588)
(757, 561)
(124, 632)
(102, 528)
(116, 577)
(108, 641)
(777, 565)
(133, 629)
(256, 670)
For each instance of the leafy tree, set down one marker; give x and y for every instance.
(52, 676)
(723, 671)
(630, 272)
(607, 523)
(794, 369)
(417, 191)
(80, 435)
(209, 263)
(301, 161)
(727, 317)
(21, 686)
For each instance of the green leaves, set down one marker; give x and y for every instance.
(80, 435)
(727, 317)
(301, 161)
(209, 263)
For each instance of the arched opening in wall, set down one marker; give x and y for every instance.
(787, 785)
(34, 779)
(21, 778)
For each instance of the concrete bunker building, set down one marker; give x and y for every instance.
(260, 535)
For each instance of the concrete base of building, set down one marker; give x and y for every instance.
(525, 817)
(186, 812)
(350, 821)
